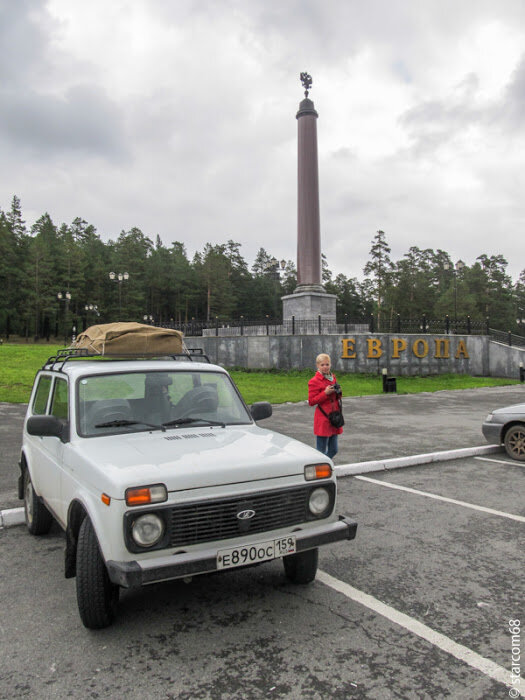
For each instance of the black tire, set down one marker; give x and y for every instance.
(515, 442)
(96, 596)
(302, 567)
(38, 518)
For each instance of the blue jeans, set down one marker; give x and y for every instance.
(327, 445)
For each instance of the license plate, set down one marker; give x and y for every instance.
(253, 553)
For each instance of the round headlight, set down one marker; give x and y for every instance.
(319, 501)
(147, 530)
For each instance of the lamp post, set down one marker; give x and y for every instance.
(274, 267)
(119, 277)
(91, 309)
(66, 298)
(455, 270)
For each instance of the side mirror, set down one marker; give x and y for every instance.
(260, 410)
(48, 426)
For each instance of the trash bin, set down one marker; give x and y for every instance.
(389, 385)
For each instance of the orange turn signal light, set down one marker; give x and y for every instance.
(138, 497)
(143, 495)
(317, 471)
(105, 499)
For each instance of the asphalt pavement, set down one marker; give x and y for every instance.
(387, 426)
(380, 427)
(416, 607)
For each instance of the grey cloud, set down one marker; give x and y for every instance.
(435, 122)
(24, 26)
(513, 109)
(83, 120)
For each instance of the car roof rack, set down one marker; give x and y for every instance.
(67, 354)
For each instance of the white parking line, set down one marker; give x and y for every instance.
(491, 511)
(460, 652)
(502, 461)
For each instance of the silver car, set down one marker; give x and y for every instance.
(507, 426)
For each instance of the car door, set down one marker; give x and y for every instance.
(46, 461)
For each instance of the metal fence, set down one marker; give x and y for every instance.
(507, 338)
(328, 326)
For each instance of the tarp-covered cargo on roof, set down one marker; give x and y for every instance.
(130, 338)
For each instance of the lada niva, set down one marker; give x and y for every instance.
(157, 470)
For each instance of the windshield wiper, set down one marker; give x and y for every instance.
(186, 421)
(121, 422)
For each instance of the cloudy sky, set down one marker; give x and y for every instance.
(178, 117)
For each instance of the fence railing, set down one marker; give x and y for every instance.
(424, 324)
(326, 326)
(507, 338)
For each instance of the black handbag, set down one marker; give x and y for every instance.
(336, 418)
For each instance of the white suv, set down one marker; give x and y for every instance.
(156, 470)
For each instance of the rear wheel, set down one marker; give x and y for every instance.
(515, 442)
(301, 567)
(38, 518)
(96, 596)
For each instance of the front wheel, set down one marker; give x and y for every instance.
(96, 596)
(301, 567)
(38, 518)
(515, 442)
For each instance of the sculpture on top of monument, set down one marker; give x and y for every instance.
(306, 80)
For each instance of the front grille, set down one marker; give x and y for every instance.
(208, 521)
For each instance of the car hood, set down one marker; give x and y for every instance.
(195, 458)
(511, 410)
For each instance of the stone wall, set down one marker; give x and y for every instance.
(367, 353)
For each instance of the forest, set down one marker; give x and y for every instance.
(55, 277)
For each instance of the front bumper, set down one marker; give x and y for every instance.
(133, 574)
(492, 432)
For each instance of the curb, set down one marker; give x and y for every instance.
(16, 516)
(413, 460)
(12, 516)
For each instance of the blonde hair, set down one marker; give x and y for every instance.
(322, 356)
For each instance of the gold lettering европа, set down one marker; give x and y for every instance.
(398, 345)
(349, 352)
(462, 350)
(420, 348)
(442, 348)
(415, 347)
(374, 348)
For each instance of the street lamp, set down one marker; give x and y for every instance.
(272, 267)
(119, 277)
(66, 298)
(457, 268)
(91, 308)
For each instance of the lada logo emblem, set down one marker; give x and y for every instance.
(245, 514)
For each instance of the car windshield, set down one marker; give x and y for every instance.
(136, 401)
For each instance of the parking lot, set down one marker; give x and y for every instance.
(418, 606)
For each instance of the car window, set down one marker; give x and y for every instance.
(59, 402)
(127, 402)
(41, 395)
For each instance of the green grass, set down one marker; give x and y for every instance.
(280, 386)
(19, 364)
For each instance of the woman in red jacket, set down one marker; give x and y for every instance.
(323, 391)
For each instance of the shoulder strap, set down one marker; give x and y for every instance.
(340, 407)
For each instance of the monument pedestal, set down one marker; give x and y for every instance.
(309, 304)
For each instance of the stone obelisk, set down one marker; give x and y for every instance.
(309, 299)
